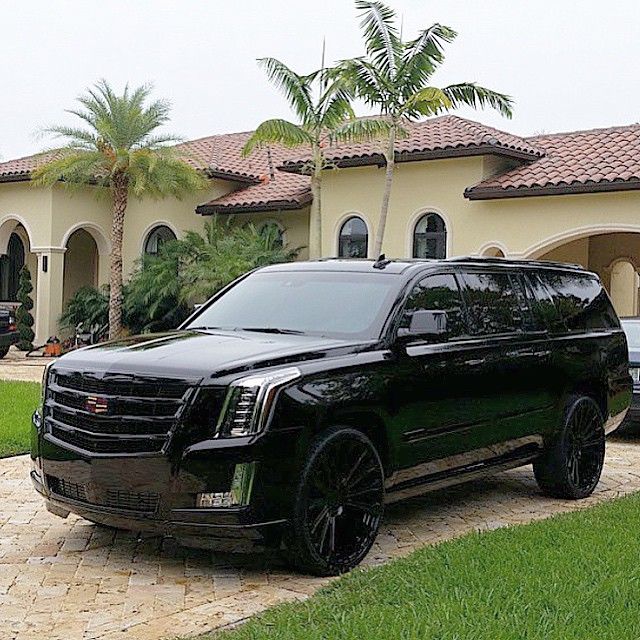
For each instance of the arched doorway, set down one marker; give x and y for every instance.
(80, 264)
(10, 265)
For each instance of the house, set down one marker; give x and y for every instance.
(460, 188)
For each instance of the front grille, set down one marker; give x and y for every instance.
(67, 489)
(114, 413)
(142, 501)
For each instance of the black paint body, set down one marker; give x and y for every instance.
(438, 412)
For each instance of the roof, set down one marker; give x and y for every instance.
(575, 162)
(274, 193)
(20, 169)
(441, 137)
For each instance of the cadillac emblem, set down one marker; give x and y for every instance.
(96, 405)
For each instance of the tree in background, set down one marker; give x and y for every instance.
(395, 76)
(164, 287)
(322, 105)
(24, 318)
(120, 151)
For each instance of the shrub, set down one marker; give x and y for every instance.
(24, 318)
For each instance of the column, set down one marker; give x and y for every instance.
(48, 305)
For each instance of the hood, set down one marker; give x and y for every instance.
(197, 354)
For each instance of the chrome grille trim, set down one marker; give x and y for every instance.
(140, 422)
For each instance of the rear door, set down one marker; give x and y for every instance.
(511, 356)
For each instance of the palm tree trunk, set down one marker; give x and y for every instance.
(120, 193)
(315, 222)
(386, 196)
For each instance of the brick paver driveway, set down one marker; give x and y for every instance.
(71, 580)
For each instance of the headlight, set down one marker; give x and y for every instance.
(634, 372)
(249, 402)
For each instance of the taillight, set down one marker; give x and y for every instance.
(12, 323)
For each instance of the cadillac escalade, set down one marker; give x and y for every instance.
(303, 397)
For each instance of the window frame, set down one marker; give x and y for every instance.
(445, 235)
(150, 233)
(344, 222)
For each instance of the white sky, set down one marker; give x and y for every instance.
(569, 64)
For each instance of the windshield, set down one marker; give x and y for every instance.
(632, 329)
(337, 305)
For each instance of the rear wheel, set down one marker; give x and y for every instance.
(3, 352)
(572, 466)
(339, 503)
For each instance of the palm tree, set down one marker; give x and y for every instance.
(120, 152)
(322, 105)
(395, 76)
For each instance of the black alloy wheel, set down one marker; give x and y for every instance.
(571, 468)
(339, 503)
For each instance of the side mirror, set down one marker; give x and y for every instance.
(428, 325)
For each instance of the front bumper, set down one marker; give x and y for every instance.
(158, 493)
(633, 415)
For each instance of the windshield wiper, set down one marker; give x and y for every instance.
(293, 332)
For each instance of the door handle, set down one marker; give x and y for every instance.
(475, 362)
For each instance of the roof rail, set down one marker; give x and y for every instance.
(516, 261)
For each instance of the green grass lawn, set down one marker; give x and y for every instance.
(17, 403)
(569, 577)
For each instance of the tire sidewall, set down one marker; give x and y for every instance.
(572, 407)
(299, 541)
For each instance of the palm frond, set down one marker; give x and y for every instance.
(423, 55)
(277, 131)
(427, 102)
(296, 88)
(473, 95)
(362, 129)
(74, 168)
(382, 40)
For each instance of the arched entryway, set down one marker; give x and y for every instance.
(10, 266)
(80, 264)
(614, 256)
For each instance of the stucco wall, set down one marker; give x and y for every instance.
(436, 185)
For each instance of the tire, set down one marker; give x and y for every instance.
(572, 465)
(338, 504)
(3, 352)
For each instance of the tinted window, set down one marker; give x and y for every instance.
(437, 293)
(496, 302)
(544, 309)
(341, 305)
(580, 300)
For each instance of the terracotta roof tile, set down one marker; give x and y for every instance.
(21, 168)
(443, 136)
(579, 161)
(283, 191)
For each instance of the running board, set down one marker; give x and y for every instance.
(523, 454)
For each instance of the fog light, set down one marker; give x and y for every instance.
(238, 496)
(214, 500)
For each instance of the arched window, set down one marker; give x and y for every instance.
(10, 266)
(156, 238)
(271, 229)
(430, 237)
(353, 241)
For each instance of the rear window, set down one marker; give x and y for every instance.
(580, 300)
(496, 302)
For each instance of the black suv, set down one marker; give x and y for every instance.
(302, 397)
(8, 332)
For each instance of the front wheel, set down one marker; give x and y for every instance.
(572, 466)
(3, 352)
(338, 505)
